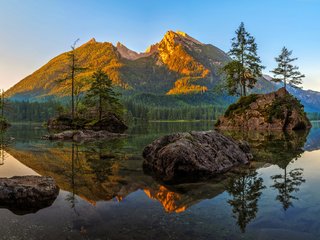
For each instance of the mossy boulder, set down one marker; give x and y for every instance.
(273, 111)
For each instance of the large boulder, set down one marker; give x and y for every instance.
(189, 156)
(26, 194)
(273, 111)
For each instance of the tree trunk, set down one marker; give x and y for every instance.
(72, 86)
(2, 103)
(100, 107)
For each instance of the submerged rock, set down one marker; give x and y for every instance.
(81, 135)
(190, 156)
(27, 194)
(274, 111)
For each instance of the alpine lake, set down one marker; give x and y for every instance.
(104, 193)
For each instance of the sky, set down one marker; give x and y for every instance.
(34, 31)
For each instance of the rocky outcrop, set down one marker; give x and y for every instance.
(81, 135)
(26, 194)
(274, 111)
(189, 156)
(110, 122)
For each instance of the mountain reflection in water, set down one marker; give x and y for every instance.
(112, 170)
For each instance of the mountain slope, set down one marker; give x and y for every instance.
(177, 64)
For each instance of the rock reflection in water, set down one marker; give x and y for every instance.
(22, 194)
(274, 147)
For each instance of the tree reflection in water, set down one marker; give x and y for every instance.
(286, 184)
(245, 191)
(3, 145)
(72, 176)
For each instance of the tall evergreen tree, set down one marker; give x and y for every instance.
(102, 95)
(286, 72)
(245, 67)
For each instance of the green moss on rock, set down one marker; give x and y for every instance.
(240, 106)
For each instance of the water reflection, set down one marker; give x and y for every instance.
(4, 142)
(178, 198)
(277, 147)
(286, 184)
(108, 175)
(245, 191)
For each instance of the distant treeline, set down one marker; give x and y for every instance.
(145, 112)
(42, 111)
(31, 111)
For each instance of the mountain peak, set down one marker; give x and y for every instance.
(179, 35)
(183, 34)
(92, 40)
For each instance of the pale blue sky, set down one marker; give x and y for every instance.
(34, 31)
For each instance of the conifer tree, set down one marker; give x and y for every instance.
(245, 67)
(286, 72)
(102, 95)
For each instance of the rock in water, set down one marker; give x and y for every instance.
(26, 194)
(110, 122)
(195, 155)
(82, 135)
(273, 111)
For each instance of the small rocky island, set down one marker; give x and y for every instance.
(110, 122)
(191, 156)
(27, 194)
(81, 129)
(273, 111)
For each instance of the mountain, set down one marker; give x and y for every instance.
(309, 98)
(178, 65)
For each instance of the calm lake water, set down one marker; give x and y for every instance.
(104, 193)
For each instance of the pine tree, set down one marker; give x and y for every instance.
(102, 95)
(245, 67)
(286, 72)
